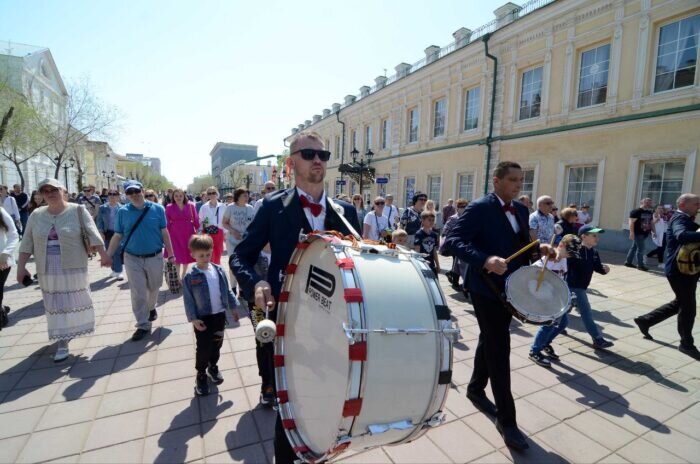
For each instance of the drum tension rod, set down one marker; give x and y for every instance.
(350, 332)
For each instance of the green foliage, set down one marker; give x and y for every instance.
(201, 183)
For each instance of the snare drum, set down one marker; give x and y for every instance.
(542, 306)
(363, 353)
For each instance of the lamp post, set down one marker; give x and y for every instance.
(109, 177)
(247, 181)
(363, 164)
(66, 165)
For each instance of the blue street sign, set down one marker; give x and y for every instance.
(340, 182)
(382, 180)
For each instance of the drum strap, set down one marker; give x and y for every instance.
(340, 212)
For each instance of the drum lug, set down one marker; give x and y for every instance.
(437, 420)
(343, 438)
(450, 331)
(350, 333)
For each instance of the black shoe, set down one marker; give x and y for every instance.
(551, 354)
(6, 309)
(513, 437)
(629, 265)
(601, 343)
(139, 334)
(643, 268)
(564, 332)
(234, 289)
(215, 375)
(539, 359)
(153, 315)
(643, 328)
(267, 396)
(482, 403)
(691, 351)
(201, 386)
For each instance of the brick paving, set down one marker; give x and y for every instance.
(118, 401)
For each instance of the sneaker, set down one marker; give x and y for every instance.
(267, 396)
(139, 334)
(153, 315)
(551, 354)
(601, 343)
(61, 353)
(120, 276)
(201, 386)
(112, 275)
(215, 375)
(643, 268)
(538, 359)
(629, 265)
(691, 351)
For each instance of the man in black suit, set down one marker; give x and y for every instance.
(682, 230)
(280, 219)
(491, 229)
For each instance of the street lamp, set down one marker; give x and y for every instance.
(109, 177)
(362, 163)
(66, 165)
(247, 181)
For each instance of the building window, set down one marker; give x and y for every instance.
(434, 187)
(593, 79)
(368, 138)
(385, 134)
(472, 105)
(677, 54)
(581, 186)
(528, 183)
(662, 181)
(465, 187)
(531, 94)
(409, 190)
(413, 118)
(337, 147)
(338, 187)
(353, 140)
(439, 117)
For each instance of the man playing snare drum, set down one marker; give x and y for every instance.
(280, 219)
(491, 229)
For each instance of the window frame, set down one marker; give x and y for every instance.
(472, 193)
(640, 177)
(437, 101)
(406, 199)
(563, 180)
(385, 133)
(411, 111)
(655, 45)
(369, 137)
(578, 78)
(429, 184)
(520, 93)
(465, 107)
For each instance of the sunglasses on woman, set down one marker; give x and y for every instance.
(309, 154)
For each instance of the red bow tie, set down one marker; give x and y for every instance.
(315, 208)
(509, 207)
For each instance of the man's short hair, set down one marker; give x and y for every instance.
(503, 167)
(542, 199)
(398, 233)
(201, 242)
(684, 198)
(238, 192)
(462, 203)
(313, 135)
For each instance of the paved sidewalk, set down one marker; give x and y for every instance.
(118, 401)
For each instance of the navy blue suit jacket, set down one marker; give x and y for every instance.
(278, 222)
(680, 231)
(484, 230)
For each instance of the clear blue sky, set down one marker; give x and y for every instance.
(187, 74)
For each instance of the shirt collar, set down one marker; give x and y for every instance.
(300, 192)
(500, 200)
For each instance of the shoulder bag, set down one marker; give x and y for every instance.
(133, 229)
(83, 233)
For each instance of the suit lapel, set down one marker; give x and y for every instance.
(333, 220)
(294, 212)
(504, 219)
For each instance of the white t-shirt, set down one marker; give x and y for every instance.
(582, 217)
(210, 214)
(239, 217)
(373, 221)
(557, 267)
(214, 289)
(391, 212)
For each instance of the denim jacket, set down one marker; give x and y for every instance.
(196, 293)
(102, 218)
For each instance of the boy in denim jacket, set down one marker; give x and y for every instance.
(207, 296)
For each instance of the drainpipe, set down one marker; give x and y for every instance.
(489, 139)
(342, 149)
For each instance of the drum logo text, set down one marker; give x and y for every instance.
(320, 285)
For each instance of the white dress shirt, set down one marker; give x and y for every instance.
(511, 217)
(316, 222)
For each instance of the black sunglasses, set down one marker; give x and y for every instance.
(113, 194)
(133, 191)
(378, 202)
(270, 189)
(150, 195)
(308, 154)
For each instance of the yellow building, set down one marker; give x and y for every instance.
(99, 165)
(599, 101)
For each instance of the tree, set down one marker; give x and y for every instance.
(5, 122)
(85, 117)
(201, 183)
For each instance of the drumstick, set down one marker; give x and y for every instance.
(544, 266)
(521, 251)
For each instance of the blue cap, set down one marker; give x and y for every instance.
(132, 184)
(590, 229)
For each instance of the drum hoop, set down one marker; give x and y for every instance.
(286, 410)
(530, 318)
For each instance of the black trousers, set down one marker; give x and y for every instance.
(209, 341)
(684, 305)
(492, 358)
(264, 352)
(284, 454)
(3, 278)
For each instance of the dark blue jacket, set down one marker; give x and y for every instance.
(196, 293)
(580, 270)
(681, 230)
(278, 222)
(484, 230)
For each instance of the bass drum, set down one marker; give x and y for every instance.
(537, 306)
(363, 353)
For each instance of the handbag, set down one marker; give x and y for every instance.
(212, 229)
(83, 234)
(172, 277)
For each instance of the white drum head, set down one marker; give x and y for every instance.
(315, 347)
(547, 304)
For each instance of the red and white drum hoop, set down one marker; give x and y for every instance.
(363, 353)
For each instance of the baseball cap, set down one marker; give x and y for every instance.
(590, 229)
(51, 182)
(132, 184)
